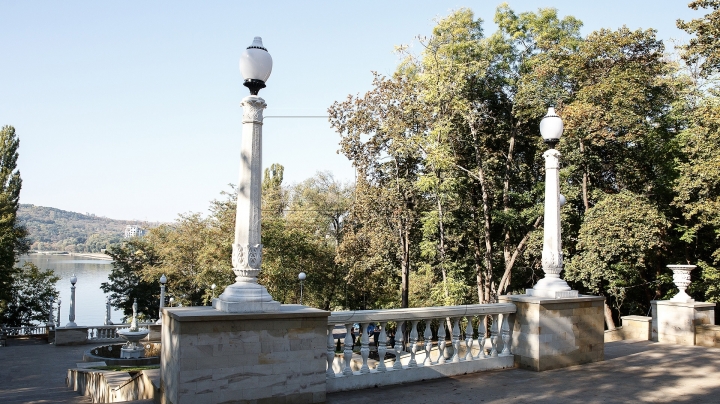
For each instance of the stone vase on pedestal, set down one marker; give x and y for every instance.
(681, 278)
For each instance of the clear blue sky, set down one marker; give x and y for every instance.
(131, 109)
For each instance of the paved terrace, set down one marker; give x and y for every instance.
(633, 371)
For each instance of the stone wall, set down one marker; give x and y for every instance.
(556, 333)
(675, 322)
(632, 328)
(210, 356)
(707, 335)
(71, 335)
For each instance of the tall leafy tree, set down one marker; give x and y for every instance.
(125, 281)
(705, 46)
(13, 240)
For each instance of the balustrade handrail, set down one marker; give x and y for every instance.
(358, 316)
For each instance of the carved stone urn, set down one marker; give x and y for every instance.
(681, 278)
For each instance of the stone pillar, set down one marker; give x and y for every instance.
(245, 295)
(675, 322)
(209, 356)
(72, 307)
(556, 333)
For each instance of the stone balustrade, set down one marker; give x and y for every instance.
(422, 358)
(108, 333)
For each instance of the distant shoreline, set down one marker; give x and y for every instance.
(97, 256)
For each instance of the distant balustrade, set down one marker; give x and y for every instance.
(468, 340)
(25, 330)
(108, 333)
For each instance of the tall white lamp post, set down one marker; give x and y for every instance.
(73, 281)
(58, 314)
(163, 281)
(552, 286)
(301, 276)
(246, 295)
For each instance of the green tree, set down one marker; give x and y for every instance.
(126, 282)
(13, 241)
(32, 293)
(705, 47)
(620, 250)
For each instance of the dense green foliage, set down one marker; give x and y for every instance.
(59, 230)
(32, 294)
(447, 204)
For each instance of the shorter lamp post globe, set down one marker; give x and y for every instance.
(301, 276)
(163, 281)
(73, 281)
(172, 299)
(212, 287)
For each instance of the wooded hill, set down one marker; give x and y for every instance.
(54, 229)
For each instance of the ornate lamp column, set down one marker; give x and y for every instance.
(51, 320)
(58, 314)
(73, 280)
(551, 128)
(163, 281)
(245, 295)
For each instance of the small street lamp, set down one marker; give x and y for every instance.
(73, 281)
(301, 276)
(58, 313)
(212, 287)
(246, 295)
(172, 299)
(552, 286)
(163, 281)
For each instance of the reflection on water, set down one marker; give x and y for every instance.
(90, 299)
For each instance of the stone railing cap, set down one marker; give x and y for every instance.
(207, 313)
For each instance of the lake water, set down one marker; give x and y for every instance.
(89, 298)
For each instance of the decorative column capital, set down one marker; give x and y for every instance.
(253, 107)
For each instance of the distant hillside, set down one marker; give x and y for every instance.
(59, 230)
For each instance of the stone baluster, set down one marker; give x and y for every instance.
(481, 337)
(364, 347)
(455, 340)
(506, 335)
(428, 342)
(413, 344)
(347, 354)
(330, 353)
(441, 341)
(468, 339)
(493, 335)
(398, 345)
(382, 348)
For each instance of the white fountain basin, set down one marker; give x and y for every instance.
(132, 349)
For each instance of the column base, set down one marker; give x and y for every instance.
(245, 297)
(552, 294)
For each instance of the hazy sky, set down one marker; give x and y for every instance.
(131, 109)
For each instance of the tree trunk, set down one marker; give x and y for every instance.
(405, 267)
(486, 231)
(586, 201)
(608, 317)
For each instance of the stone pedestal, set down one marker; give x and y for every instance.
(675, 322)
(556, 333)
(71, 336)
(209, 356)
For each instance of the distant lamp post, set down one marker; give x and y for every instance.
(51, 320)
(73, 281)
(246, 295)
(58, 313)
(212, 287)
(301, 276)
(172, 299)
(552, 286)
(108, 321)
(163, 281)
